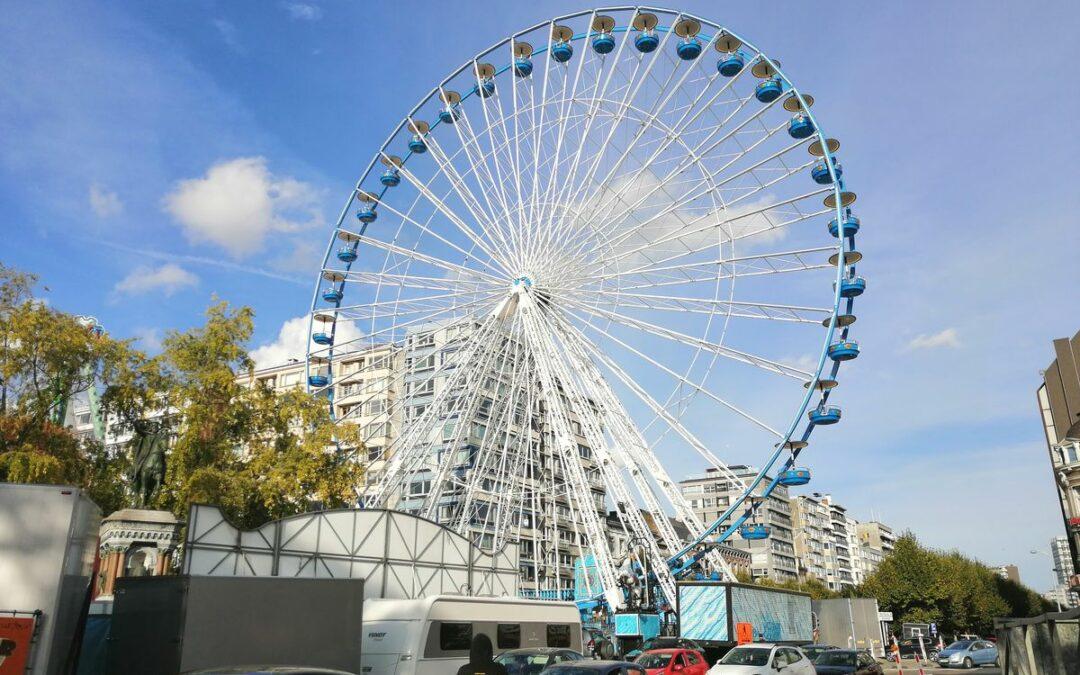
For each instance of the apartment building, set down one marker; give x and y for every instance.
(711, 494)
(1059, 404)
(833, 546)
(1063, 572)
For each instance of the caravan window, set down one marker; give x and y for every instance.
(508, 636)
(558, 635)
(453, 636)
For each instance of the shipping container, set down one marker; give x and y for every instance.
(849, 623)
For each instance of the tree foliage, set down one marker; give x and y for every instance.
(957, 593)
(234, 442)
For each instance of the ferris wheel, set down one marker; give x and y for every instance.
(612, 243)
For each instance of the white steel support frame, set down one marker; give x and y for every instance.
(598, 259)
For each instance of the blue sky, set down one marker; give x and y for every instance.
(121, 121)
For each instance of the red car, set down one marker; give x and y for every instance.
(666, 661)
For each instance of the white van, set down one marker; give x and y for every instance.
(432, 635)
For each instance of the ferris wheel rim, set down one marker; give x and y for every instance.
(819, 136)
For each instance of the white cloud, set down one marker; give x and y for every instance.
(229, 35)
(303, 11)
(105, 203)
(239, 202)
(149, 339)
(304, 257)
(293, 339)
(168, 279)
(945, 338)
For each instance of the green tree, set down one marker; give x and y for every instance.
(957, 593)
(257, 453)
(47, 357)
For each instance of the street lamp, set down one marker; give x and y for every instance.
(1057, 594)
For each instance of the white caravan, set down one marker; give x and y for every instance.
(432, 635)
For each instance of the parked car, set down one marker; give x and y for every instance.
(594, 668)
(751, 659)
(812, 651)
(665, 642)
(266, 670)
(667, 661)
(968, 654)
(846, 662)
(909, 648)
(532, 661)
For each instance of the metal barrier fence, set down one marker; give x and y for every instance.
(1042, 645)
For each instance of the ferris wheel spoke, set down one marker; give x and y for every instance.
(632, 442)
(671, 135)
(495, 258)
(693, 155)
(583, 343)
(485, 219)
(505, 215)
(412, 452)
(582, 408)
(466, 411)
(742, 309)
(727, 352)
(431, 260)
(698, 230)
(411, 281)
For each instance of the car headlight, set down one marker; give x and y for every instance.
(954, 657)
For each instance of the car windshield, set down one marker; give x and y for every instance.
(653, 660)
(960, 644)
(524, 664)
(836, 658)
(746, 656)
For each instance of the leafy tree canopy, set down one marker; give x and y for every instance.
(234, 442)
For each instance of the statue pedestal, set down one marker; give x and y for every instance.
(135, 543)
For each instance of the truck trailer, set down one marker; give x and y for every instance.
(720, 615)
(48, 542)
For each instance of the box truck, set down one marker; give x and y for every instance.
(718, 614)
(48, 542)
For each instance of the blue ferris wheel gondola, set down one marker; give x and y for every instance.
(753, 531)
(647, 40)
(318, 380)
(852, 287)
(794, 477)
(603, 42)
(851, 225)
(390, 178)
(367, 214)
(825, 414)
(731, 65)
(820, 172)
(689, 47)
(843, 350)
(346, 254)
(332, 294)
(562, 50)
(769, 90)
(523, 67)
(322, 339)
(800, 127)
